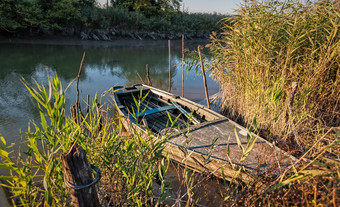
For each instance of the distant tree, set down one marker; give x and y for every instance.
(21, 14)
(30, 14)
(73, 13)
(150, 7)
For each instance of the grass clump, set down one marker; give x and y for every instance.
(35, 178)
(279, 62)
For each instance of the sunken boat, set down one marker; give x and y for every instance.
(197, 136)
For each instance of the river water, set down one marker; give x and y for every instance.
(105, 65)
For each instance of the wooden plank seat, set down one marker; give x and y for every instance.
(153, 111)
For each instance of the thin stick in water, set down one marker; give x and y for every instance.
(169, 45)
(204, 78)
(182, 65)
(141, 79)
(78, 110)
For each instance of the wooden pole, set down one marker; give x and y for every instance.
(182, 65)
(78, 109)
(73, 112)
(148, 75)
(204, 78)
(77, 174)
(169, 46)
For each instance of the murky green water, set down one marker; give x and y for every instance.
(104, 67)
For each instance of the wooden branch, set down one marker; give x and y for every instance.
(141, 79)
(204, 78)
(148, 75)
(77, 172)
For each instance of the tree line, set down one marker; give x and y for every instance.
(56, 14)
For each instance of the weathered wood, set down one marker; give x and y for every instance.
(204, 78)
(77, 171)
(262, 158)
(203, 146)
(148, 75)
(73, 112)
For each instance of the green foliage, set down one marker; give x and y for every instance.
(150, 7)
(129, 166)
(38, 14)
(141, 15)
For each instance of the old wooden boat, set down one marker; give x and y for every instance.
(200, 138)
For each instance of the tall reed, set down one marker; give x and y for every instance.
(273, 46)
(279, 62)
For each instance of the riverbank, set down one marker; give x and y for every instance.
(118, 42)
(103, 34)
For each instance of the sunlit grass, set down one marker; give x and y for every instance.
(129, 164)
(279, 62)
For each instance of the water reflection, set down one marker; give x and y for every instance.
(103, 68)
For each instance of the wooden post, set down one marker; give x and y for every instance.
(148, 75)
(78, 109)
(73, 112)
(77, 172)
(204, 78)
(169, 66)
(182, 65)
